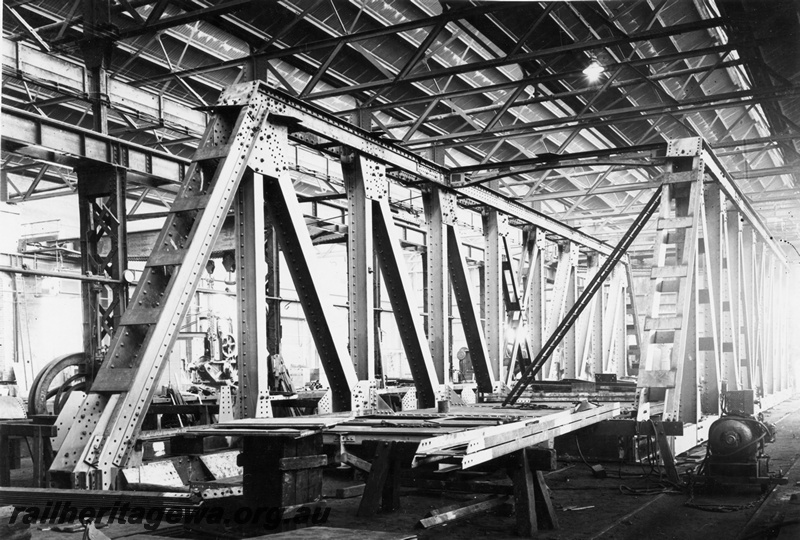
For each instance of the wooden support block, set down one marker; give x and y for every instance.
(302, 462)
(542, 459)
(462, 512)
(373, 491)
(350, 491)
(524, 495)
(390, 498)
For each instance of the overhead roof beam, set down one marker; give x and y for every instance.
(183, 18)
(333, 41)
(525, 57)
(603, 118)
(553, 78)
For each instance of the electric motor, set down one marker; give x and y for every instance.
(736, 438)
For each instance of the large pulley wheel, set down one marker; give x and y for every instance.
(55, 383)
(227, 347)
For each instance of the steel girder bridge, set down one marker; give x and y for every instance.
(714, 260)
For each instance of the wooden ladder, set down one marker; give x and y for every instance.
(669, 328)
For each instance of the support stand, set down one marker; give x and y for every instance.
(534, 510)
(383, 485)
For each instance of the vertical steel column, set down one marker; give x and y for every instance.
(747, 265)
(707, 340)
(251, 274)
(99, 206)
(559, 304)
(493, 229)
(272, 289)
(257, 69)
(613, 325)
(584, 366)
(771, 324)
(360, 184)
(377, 298)
(734, 226)
(620, 334)
(438, 203)
(768, 324)
(785, 375)
(596, 344)
(759, 251)
(568, 355)
(536, 301)
(96, 50)
(103, 237)
(728, 334)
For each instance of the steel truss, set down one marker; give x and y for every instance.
(242, 160)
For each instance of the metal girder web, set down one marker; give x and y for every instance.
(594, 285)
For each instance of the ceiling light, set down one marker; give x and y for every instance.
(594, 69)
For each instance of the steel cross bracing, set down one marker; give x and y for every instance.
(571, 317)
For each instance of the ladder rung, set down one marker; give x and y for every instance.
(705, 344)
(671, 286)
(656, 378)
(183, 204)
(212, 152)
(674, 237)
(137, 315)
(167, 258)
(675, 223)
(663, 323)
(663, 336)
(668, 272)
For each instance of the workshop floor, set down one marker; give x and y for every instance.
(633, 506)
